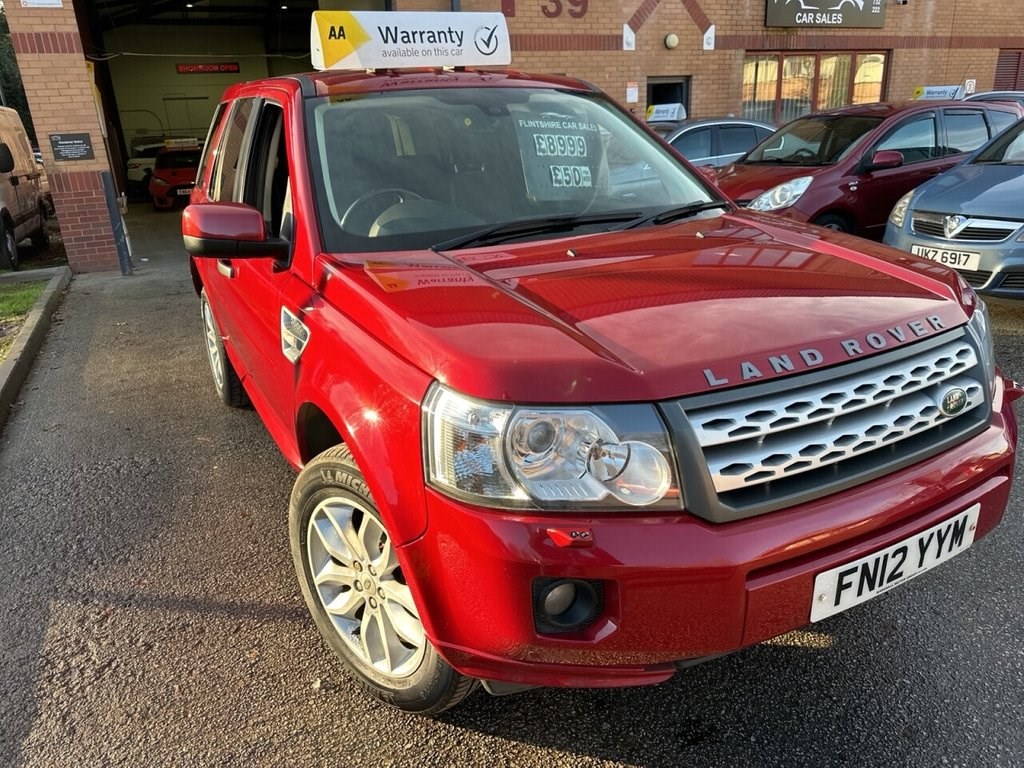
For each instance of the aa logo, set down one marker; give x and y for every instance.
(340, 36)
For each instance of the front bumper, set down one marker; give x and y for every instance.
(1001, 270)
(676, 587)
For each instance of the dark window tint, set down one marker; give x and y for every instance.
(735, 139)
(965, 130)
(149, 152)
(207, 156)
(763, 133)
(229, 153)
(915, 139)
(694, 144)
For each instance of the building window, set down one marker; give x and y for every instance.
(778, 87)
(1009, 71)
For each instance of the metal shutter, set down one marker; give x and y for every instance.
(1009, 71)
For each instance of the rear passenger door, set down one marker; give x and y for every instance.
(965, 130)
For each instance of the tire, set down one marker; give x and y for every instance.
(225, 380)
(835, 222)
(8, 246)
(41, 237)
(339, 546)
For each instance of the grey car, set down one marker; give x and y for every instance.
(1017, 96)
(717, 141)
(971, 217)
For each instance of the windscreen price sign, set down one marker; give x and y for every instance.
(388, 40)
(559, 155)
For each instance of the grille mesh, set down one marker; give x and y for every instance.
(977, 230)
(844, 424)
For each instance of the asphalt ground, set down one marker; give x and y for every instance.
(149, 615)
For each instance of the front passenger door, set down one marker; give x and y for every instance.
(876, 191)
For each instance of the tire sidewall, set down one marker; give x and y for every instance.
(221, 385)
(326, 477)
(8, 247)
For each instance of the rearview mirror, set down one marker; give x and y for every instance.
(229, 230)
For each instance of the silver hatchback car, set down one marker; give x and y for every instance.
(971, 217)
(717, 141)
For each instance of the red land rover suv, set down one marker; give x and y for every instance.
(553, 429)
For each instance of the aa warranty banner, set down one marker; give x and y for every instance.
(384, 40)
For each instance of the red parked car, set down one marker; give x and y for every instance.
(845, 169)
(174, 175)
(559, 425)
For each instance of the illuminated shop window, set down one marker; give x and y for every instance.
(778, 87)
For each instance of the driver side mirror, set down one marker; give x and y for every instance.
(886, 158)
(229, 231)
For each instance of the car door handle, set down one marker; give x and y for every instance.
(225, 269)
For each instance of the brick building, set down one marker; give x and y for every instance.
(78, 59)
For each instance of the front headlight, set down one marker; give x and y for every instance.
(981, 328)
(783, 195)
(554, 458)
(899, 211)
(158, 180)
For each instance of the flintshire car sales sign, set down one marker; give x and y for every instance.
(824, 13)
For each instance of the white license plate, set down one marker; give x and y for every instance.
(960, 259)
(860, 580)
(184, 192)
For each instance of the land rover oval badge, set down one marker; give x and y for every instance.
(953, 401)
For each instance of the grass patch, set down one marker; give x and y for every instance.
(16, 301)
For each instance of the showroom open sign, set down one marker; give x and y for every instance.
(225, 67)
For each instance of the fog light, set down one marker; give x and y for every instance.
(566, 605)
(559, 598)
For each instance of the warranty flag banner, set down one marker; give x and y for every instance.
(387, 40)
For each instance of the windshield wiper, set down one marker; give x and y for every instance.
(510, 230)
(677, 212)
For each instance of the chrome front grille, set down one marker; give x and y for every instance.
(828, 429)
(965, 228)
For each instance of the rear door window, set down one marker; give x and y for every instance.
(1000, 121)
(735, 139)
(226, 184)
(965, 130)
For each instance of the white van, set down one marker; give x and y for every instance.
(22, 207)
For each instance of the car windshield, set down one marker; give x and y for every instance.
(1006, 149)
(813, 140)
(412, 169)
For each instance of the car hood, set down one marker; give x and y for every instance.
(646, 314)
(745, 181)
(983, 190)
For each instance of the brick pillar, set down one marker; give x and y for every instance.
(59, 88)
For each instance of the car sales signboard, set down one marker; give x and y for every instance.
(824, 13)
(386, 40)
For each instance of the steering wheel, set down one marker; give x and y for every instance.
(803, 154)
(350, 219)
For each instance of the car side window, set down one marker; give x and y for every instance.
(207, 156)
(965, 130)
(225, 186)
(914, 139)
(1000, 121)
(735, 139)
(694, 144)
(266, 186)
(762, 134)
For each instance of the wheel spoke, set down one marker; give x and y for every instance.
(345, 604)
(395, 592)
(374, 640)
(405, 624)
(331, 536)
(335, 574)
(370, 535)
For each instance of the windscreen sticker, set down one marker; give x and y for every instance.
(560, 156)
